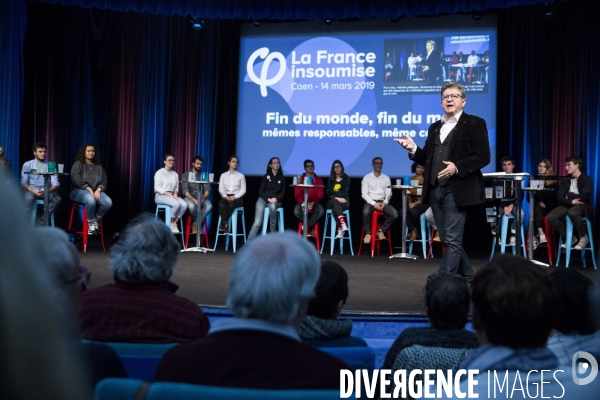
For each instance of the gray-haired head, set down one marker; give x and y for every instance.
(146, 251)
(272, 276)
(456, 85)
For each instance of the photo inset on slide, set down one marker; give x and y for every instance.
(424, 64)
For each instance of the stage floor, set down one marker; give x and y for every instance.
(378, 286)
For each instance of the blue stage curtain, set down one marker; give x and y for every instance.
(297, 10)
(549, 88)
(136, 85)
(13, 22)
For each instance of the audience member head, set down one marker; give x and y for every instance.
(81, 154)
(37, 357)
(514, 303)
(61, 260)
(197, 158)
(331, 292)
(340, 171)
(273, 278)
(508, 164)
(146, 251)
(447, 302)
(574, 313)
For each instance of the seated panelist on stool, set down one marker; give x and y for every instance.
(34, 184)
(376, 192)
(575, 200)
(271, 193)
(315, 195)
(232, 188)
(88, 186)
(194, 192)
(337, 189)
(166, 191)
(414, 203)
(545, 201)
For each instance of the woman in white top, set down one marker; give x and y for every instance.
(232, 188)
(166, 191)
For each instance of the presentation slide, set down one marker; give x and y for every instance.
(345, 91)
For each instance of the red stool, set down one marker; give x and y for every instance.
(550, 241)
(85, 226)
(188, 231)
(430, 252)
(375, 226)
(317, 234)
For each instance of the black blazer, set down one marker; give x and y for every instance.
(585, 187)
(469, 151)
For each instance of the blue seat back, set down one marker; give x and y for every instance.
(140, 359)
(356, 357)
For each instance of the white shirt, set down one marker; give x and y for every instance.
(412, 61)
(232, 183)
(376, 188)
(448, 125)
(472, 60)
(166, 181)
(574, 188)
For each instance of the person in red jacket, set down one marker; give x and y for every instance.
(315, 195)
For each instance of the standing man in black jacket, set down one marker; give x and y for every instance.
(456, 149)
(575, 200)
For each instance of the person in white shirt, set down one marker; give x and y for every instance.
(412, 65)
(166, 191)
(232, 187)
(376, 191)
(473, 59)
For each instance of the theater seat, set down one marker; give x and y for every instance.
(356, 357)
(122, 388)
(140, 359)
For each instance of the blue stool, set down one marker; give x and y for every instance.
(332, 232)
(425, 236)
(34, 212)
(590, 246)
(503, 236)
(266, 220)
(233, 225)
(167, 210)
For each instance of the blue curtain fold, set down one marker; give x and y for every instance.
(13, 23)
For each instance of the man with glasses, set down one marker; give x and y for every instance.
(456, 149)
(376, 191)
(315, 195)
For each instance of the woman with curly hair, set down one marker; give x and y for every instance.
(88, 186)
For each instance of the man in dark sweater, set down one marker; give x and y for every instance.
(272, 280)
(575, 200)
